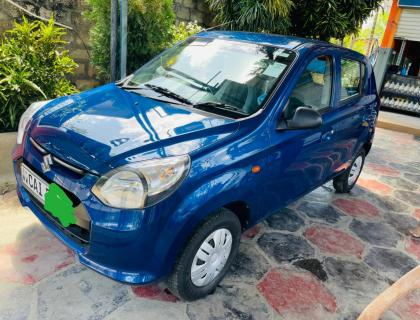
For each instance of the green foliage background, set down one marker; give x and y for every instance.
(150, 23)
(361, 42)
(319, 19)
(182, 31)
(253, 15)
(33, 66)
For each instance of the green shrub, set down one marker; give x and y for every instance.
(183, 30)
(252, 15)
(33, 66)
(149, 31)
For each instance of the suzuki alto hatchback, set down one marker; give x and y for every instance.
(155, 177)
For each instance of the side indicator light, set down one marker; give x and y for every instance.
(256, 169)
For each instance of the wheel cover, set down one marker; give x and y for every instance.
(211, 257)
(355, 170)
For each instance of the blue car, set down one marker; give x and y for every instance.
(155, 177)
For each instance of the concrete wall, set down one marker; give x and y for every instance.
(70, 12)
(7, 178)
(193, 10)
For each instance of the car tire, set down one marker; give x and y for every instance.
(347, 180)
(191, 285)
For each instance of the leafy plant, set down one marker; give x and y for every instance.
(320, 19)
(330, 18)
(253, 15)
(33, 66)
(183, 30)
(149, 31)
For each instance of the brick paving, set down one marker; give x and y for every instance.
(326, 256)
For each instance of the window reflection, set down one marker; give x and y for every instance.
(238, 74)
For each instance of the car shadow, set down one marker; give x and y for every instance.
(34, 255)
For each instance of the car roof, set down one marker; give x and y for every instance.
(287, 42)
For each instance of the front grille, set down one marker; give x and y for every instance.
(79, 232)
(55, 159)
(75, 232)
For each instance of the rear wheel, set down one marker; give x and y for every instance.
(346, 181)
(207, 256)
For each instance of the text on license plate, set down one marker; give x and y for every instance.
(34, 184)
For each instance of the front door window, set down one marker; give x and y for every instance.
(313, 89)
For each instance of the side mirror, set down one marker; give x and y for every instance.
(304, 118)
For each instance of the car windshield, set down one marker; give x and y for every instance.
(221, 76)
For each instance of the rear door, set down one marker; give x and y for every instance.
(348, 118)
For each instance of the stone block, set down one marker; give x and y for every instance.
(91, 72)
(79, 54)
(285, 247)
(286, 219)
(320, 211)
(80, 71)
(202, 6)
(390, 263)
(197, 16)
(280, 287)
(248, 267)
(86, 84)
(189, 3)
(376, 233)
(334, 241)
(184, 13)
(44, 12)
(357, 208)
(4, 16)
(228, 302)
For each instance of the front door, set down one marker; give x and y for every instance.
(300, 160)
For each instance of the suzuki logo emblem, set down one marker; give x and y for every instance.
(47, 162)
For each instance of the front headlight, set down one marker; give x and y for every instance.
(26, 116)
(141, 184)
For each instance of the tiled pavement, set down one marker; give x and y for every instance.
(324, 257)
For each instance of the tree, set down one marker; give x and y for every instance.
(253, 15)
(319, 19)
(362, 41)
(325, 19)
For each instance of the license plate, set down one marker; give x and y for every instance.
(33, 183)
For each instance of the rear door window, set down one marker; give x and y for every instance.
(351, 78)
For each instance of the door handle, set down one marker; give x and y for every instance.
(327, 136)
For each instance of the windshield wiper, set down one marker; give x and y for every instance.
(127, 87)
(168, 93)
(219, 105)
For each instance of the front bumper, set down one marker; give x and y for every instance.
(121, 244)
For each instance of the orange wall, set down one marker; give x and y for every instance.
(391, 27)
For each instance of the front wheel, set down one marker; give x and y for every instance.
(346, 181)
(207, 256)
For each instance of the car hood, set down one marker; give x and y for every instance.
(108, 126)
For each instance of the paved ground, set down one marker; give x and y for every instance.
(324, 257)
